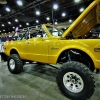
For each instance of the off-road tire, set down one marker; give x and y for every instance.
(84, 73)
(17, 62)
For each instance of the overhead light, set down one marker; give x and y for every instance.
(3, 25)
(37, 12)
(55, 6)
(19, 2)
(48, 18)
(0, 31)
(8, 32)
(82, 9)
(0, 15)
(20, 25)
(13, 27)
(9, 22)
(5, 33)
(16, 20)
(3, 30)
(27, 23)
(56, 23)
(63, 14)
(70, 20)
(37, 21)
(77, 1)
(3, 2)
(7, 9)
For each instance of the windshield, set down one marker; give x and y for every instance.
(55, 31)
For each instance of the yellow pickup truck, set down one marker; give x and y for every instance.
(77, 55)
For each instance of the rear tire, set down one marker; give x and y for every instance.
(75, 81)
(15, 64)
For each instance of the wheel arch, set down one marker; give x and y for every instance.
(13, 51)
(84, 53)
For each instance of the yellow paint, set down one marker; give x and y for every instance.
(48, 49)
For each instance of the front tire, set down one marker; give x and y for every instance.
(75, 81)
(15, 64)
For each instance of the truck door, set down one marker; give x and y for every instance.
(38, 47)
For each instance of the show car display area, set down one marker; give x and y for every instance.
(78, 56)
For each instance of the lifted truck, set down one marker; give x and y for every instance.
(79, 57)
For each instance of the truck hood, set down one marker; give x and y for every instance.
(86, 21)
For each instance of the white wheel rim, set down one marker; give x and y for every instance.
(73, 82)
(12, 64)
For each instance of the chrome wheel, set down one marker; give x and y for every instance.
(73, 82)
(12, 64)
